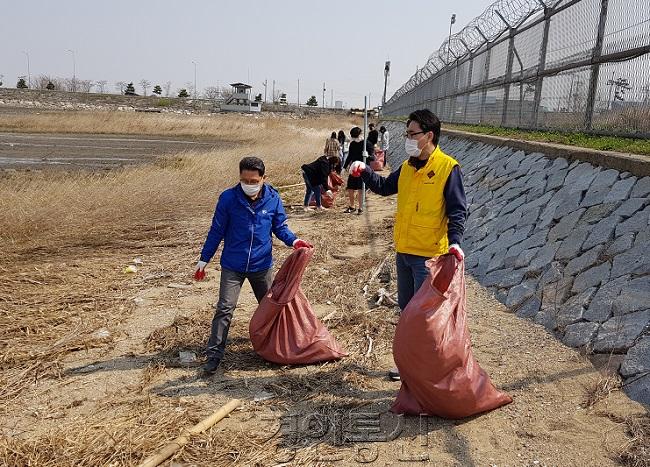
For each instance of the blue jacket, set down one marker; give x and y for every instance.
(245, 229)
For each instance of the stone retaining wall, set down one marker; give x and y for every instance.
(565, 244)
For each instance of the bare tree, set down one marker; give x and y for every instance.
(167, 87)
(41, 81)
(225, 92)
(101, 85)
(211, 92)
(144, 84)
(83, 85)
(189, 86)
(120, 85)
(1, 77)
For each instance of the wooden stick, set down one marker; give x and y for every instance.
(185, 437)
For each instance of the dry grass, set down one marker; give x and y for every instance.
(229, 127)
(65, 238)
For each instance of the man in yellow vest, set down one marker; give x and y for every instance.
(431, 204)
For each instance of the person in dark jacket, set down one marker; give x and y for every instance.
(244, 219)
(354, 184)
(315, 176)
(431, 204)
(343, 153)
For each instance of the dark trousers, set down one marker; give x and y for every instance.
(229, 288)
(411, 274)
(309, 189)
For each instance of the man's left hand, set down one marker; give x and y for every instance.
(298, 243)
(457, 251)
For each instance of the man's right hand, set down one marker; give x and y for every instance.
(199, 271)
(356, 168)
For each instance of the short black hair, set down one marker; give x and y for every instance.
(333, 136)
(356, 131)
(427, 121)
(252, 163)
(382, 128)
(371, 125)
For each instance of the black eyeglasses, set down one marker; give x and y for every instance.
(411, 135)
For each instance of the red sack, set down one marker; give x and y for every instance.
(334, 181)
(284, 329)
(433, 352)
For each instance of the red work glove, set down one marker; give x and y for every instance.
(356, 168)
(457, 252)
(298, 243)
(199, 272)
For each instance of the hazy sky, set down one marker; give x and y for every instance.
(341, 43)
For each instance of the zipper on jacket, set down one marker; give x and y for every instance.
(417, 205)
(250, 247)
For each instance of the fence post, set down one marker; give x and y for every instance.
(595, 68)
(542, 64)
(469, 85)
(486, 73)
(506, 78)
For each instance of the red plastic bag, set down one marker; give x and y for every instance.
(433, 352)
(284, 329)
(378, 163)
(334, 181)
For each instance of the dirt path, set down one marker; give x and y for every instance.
(114, 404)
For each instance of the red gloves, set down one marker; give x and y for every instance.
(457, 252)
(301, 244)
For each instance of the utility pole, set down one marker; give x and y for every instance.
(453, 20)
(365, 146)
(273, 96)
(265, 83)
(74, 71)
(194, 78)
(298, 92)
(323, 95)
(29, 76)
(386, 73)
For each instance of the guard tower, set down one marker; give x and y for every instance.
(240, 101)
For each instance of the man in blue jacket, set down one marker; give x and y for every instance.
(244, 219)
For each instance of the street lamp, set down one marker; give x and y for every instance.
(74, 71)
(29, 76)
(194, 78)
(453, 20)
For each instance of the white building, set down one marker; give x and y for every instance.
(240, 101)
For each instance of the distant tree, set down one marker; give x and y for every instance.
(157, 89)
(1, 76)
(211, 92)
(167, 88)
(312, 102)
(83, 85)
(101, 85)
(225, 92)
(21, 84)
(130, 90)
(144, 84)
(258, 98)
(120, 85)
(50, 86)
(183, 93)
(190, 88)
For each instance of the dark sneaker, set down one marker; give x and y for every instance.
(359, 211)
(211, 367)
(348, 210)
(393, 374)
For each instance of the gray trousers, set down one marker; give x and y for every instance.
(229, 288)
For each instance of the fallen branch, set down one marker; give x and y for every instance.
(378, 270)
(185, 437)
(369, 345)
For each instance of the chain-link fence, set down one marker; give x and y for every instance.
(573, 65)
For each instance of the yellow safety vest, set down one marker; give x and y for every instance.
(421, 218)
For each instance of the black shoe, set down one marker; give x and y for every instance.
(359, 211)
(211, 366)
(348, 210)
(393, 375)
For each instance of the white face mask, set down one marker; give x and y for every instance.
(411, 147)
(250, 190)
